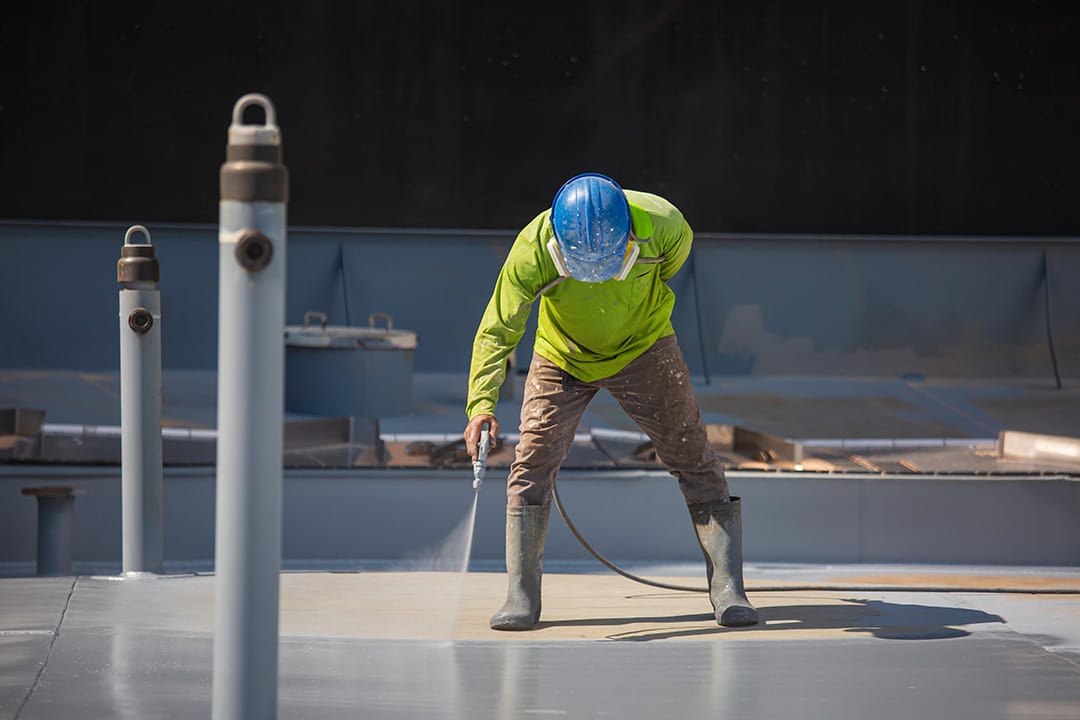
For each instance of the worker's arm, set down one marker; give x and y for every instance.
(676, 239)
(527, 269)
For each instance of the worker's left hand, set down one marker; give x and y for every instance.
(472, 433)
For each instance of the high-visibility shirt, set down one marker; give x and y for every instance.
(590, 330)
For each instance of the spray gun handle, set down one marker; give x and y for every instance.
(485, 441)
(480, 464)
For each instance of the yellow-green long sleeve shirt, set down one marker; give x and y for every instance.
(590, 330)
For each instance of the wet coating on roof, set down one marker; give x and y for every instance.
(374, 645)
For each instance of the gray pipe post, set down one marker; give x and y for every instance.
(138, 273)
(251, 417)
(56, 527)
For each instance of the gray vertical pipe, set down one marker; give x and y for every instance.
(56, 521)
(251, 414)
(138, 273)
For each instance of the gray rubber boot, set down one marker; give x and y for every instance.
(719, 532)
(526, 528)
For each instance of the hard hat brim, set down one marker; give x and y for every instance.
(594, 270)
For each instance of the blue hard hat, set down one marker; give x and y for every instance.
(591, 220)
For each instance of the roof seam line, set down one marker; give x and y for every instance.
(48, 653)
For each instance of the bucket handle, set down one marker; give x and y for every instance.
(385, 316)
(311, 315)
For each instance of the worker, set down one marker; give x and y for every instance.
(598, 260)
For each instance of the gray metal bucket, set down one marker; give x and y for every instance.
(355, 371)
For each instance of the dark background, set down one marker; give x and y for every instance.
(951, 117)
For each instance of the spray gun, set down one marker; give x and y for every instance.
(479, 465)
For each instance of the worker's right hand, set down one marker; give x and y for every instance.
(472, 433)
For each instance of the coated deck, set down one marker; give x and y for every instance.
(398, 644)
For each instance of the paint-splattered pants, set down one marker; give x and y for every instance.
(654, 390)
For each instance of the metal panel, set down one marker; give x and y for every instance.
(949, 520)
(636, 515)
(936, 307)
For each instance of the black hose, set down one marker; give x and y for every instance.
(697, 312)
(347, 295)
(607, 563)
(1049, 316)
(800, 588)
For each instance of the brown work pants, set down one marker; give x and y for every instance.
(654, 390)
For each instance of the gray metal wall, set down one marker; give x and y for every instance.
(365, 515)
(764, 305)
